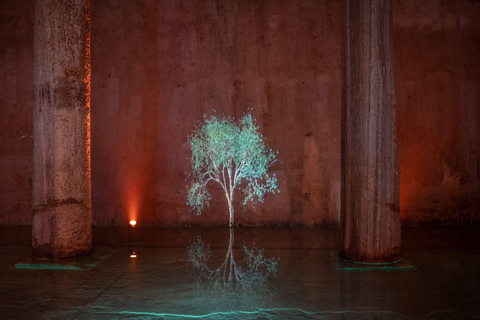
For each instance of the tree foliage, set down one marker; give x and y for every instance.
(232, 155)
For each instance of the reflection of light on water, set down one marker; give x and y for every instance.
(247, 278)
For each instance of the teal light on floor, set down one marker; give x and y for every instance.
(273, 313)
(402, 264)
(87, 262)
(47, 266)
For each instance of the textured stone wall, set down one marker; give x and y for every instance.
(158, 66)
(437, 45)
(16, 111)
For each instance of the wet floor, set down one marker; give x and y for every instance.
(210, 273)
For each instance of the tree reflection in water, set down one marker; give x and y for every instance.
(249, 276)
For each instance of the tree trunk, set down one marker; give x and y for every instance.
(230, 209)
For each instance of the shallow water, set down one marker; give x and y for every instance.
(160, 283)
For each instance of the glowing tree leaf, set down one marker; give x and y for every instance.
(233, 155)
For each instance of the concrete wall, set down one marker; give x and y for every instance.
(158, 66)
(16, 111)
(437, 45)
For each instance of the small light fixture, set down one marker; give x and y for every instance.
(133, 254)
(133, 223)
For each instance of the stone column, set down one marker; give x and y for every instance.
(62, 215)
(370, 193)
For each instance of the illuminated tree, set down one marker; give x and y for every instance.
(233, 156)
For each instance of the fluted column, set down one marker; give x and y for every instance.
(62, 218)
(370, 193)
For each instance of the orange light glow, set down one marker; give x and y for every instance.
(133, 254)
(87, 81)
(132, 198)
(133, 223)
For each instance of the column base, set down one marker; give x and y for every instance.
(61, 231)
